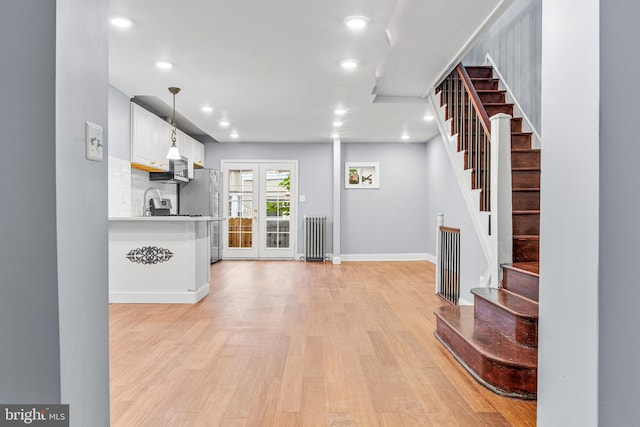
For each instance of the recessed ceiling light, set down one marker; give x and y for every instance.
(224, 123)
(339, 112)
(121, 22)
(405, 136)
(207, 109)
(428, 117)
(349, 64)
(335, 135)
(234, 134)
(337, 123)
(356, 22)
(164, 65)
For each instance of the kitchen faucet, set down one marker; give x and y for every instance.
(145, 204)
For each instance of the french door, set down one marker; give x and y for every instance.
(260, 209)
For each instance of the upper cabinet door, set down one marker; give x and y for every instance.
(161, 144)
(150, 140)
(142, 136)
(198, 159)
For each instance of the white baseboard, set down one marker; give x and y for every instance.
(160, 297)
(385, 257)
(463, 301)
(376, 257)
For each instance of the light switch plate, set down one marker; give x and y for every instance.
(93, 141)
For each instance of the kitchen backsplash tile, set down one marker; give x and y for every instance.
(140, 182)
(127, 187)
(119, 187)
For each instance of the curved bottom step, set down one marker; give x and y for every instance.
(496, 390)
(495, 361)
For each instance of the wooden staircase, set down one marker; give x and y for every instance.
(496, 339)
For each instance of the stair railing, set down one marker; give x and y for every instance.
(473, 132)
(471, 124)
(448, 262)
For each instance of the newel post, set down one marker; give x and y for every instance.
(501, 210)
(440, 222)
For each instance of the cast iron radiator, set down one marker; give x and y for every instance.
(315, 237)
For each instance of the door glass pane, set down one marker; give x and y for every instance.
(278, 203)
(240, 208)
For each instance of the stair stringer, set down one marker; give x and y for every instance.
(479, 218)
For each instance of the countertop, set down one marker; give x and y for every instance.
(164, 218)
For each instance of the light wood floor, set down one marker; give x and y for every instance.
(298, 344)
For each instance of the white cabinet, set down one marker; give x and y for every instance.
(151, 139)
(198, 158)
(162, 143)
(142, 136)
(185, 146)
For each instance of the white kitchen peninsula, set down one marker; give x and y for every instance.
(159, 259)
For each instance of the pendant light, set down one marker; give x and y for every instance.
(173, 153)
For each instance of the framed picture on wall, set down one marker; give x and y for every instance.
(362, 175)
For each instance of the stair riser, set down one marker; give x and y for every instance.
(526, 200)
(511, 379)
(525, 250)
(483, 84)
(492, 97)
(520, 283)
(479, 71)
(525, 179)
(521, 142)
(492, 110)
(526, 224)
(518, 142)
(529, 159)
(518, 159)
(516, 124)
(522, 330)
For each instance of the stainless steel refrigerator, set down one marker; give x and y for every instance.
(201, 196)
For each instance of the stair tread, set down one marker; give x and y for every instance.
(526, 237)
(526, 189)
(485, 339)
(525, 150)
(527, 212)
(532, 268)
(526, 168)
(509, 301)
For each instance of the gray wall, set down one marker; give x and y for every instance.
(568, 313)
(30, 353)
(119, 124)
(388, 220)
(443, 195)
(81, 188)
(314, 173)
(515, 44)
(619, 293)
(53, 245)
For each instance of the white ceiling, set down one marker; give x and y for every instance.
(271, 67)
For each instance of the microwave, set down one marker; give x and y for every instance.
(178, 172)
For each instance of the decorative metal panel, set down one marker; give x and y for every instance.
(149, 255)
